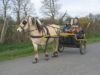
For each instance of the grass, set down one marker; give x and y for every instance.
(12, 51)
(93, 40)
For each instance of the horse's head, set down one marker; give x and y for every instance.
(26, 23)
(30, 24)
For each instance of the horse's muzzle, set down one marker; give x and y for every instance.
(19, 29)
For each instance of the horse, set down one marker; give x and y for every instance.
(40, 35)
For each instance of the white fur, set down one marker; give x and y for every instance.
(19, 29)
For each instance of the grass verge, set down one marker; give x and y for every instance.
(93, 40)
(12, 51)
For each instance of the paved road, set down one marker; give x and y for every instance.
(68, 63)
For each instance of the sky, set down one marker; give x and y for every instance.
(75, 8)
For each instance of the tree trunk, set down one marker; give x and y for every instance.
(4, 29)
(18, 17)
(52, 19)
(25, 13)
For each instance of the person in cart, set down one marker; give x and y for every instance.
(67, 26)
(67, 29)
(76, 25)
(76, 28)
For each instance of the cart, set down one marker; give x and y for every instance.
(70, 40)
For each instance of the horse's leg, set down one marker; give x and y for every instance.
(46, 53)
(36, 56)
(55, 53)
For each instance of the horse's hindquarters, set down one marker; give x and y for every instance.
(53, 30)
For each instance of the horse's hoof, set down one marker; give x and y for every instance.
(55, 54)
(46, 57)
(35, 61)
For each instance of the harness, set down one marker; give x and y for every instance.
(47, 33)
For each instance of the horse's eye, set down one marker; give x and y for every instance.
(24, 22)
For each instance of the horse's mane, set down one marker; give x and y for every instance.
(39, 27)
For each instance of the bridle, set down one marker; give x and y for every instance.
(28, 26)
(22, 28)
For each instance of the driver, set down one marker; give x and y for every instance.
(67, 26)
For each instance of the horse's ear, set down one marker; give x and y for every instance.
(39, 22)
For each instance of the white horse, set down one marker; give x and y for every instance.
(37, 34)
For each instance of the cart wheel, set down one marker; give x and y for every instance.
(61, 48)
(82, 47)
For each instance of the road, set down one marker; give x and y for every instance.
(70, 62)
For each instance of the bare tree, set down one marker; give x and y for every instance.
(1, 10)
(62, 17)
(28, 8)
(21, 7)
(17, 6)
(50, 8)
(91, 17)
(5, 4)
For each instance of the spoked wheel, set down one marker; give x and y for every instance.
(61, 48)
(82, 47)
